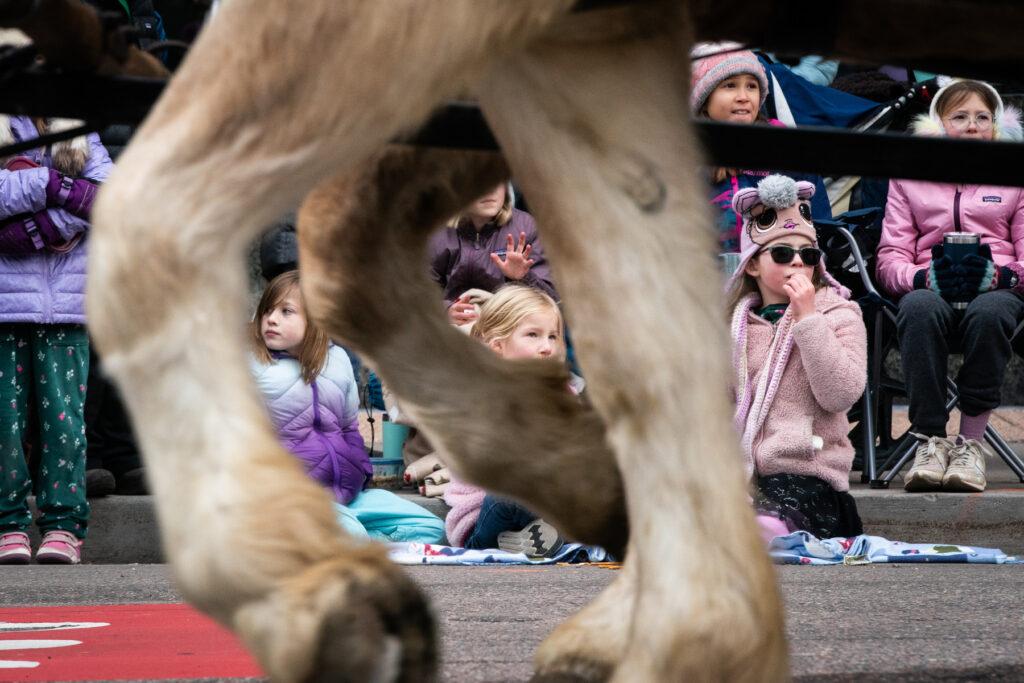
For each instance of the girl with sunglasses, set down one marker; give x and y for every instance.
(913, 267)
(800, 355)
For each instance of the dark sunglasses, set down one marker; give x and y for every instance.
(783, 254)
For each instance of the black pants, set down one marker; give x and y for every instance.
(930, 329)
(808, 504)
(109, 435)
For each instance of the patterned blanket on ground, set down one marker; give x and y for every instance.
(429, 553)
(798, 547)
(801, 547)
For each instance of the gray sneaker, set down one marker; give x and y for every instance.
(536, 539)
(930, 463)
(966, 471)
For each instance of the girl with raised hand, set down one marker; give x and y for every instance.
(488, 245)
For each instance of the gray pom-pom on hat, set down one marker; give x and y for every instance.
(777, 191)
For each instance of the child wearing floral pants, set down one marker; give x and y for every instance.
(44, 367)
(46, 197)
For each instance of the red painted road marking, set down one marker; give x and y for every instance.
(139, 642)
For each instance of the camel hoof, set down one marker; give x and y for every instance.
(354, 618)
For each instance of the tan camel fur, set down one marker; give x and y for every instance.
(589, 111)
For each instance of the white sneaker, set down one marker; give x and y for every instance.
(966, 471)
(930, 463)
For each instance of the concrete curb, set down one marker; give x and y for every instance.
(123, 529)
(993, 519)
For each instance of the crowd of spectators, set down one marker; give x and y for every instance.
(66, 434)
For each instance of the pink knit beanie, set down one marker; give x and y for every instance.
(714, 62)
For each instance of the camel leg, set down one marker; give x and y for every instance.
(588, 645)
(511, 427)
(236, 139)
(592, 121)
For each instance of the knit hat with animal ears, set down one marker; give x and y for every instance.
(1006, 123)
(778, 207)
(715, 62)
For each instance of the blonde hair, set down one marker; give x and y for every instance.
(312, 350)
(501, 218)
(505, 311)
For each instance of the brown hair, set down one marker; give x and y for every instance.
(501, 218)
(312, 350)
(957, 93)
(504, 312)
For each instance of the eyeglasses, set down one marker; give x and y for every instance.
(783, 254)
(962, 120)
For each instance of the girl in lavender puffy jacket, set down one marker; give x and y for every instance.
(311, 394)
(800, 356)
(46, 195)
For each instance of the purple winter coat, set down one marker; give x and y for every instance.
(44, 287)
(460, 258)
(318, 422)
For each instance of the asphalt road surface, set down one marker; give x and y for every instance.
(879, 622)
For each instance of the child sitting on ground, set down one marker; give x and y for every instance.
(517, 322)
(310, 390)
(800, 354)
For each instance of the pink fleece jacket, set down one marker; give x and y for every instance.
(918, 214)
(465, 501)
(805, 427)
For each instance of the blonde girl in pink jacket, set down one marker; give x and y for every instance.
(913, 268)
(800, 356)
(518, 322)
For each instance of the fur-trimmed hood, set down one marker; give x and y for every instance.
(68, 156)
(1006, 125)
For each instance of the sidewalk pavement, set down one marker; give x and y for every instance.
(123, 528)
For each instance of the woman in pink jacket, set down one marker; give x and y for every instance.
(913, 267)
(800, 354)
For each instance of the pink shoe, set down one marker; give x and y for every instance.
(770, 527)
(59, 547)
(14, 548)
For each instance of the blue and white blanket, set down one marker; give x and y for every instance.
(801, 547)
(798, 547)
(429, 553)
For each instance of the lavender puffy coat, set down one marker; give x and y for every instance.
(318, 422)
(44, 287)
